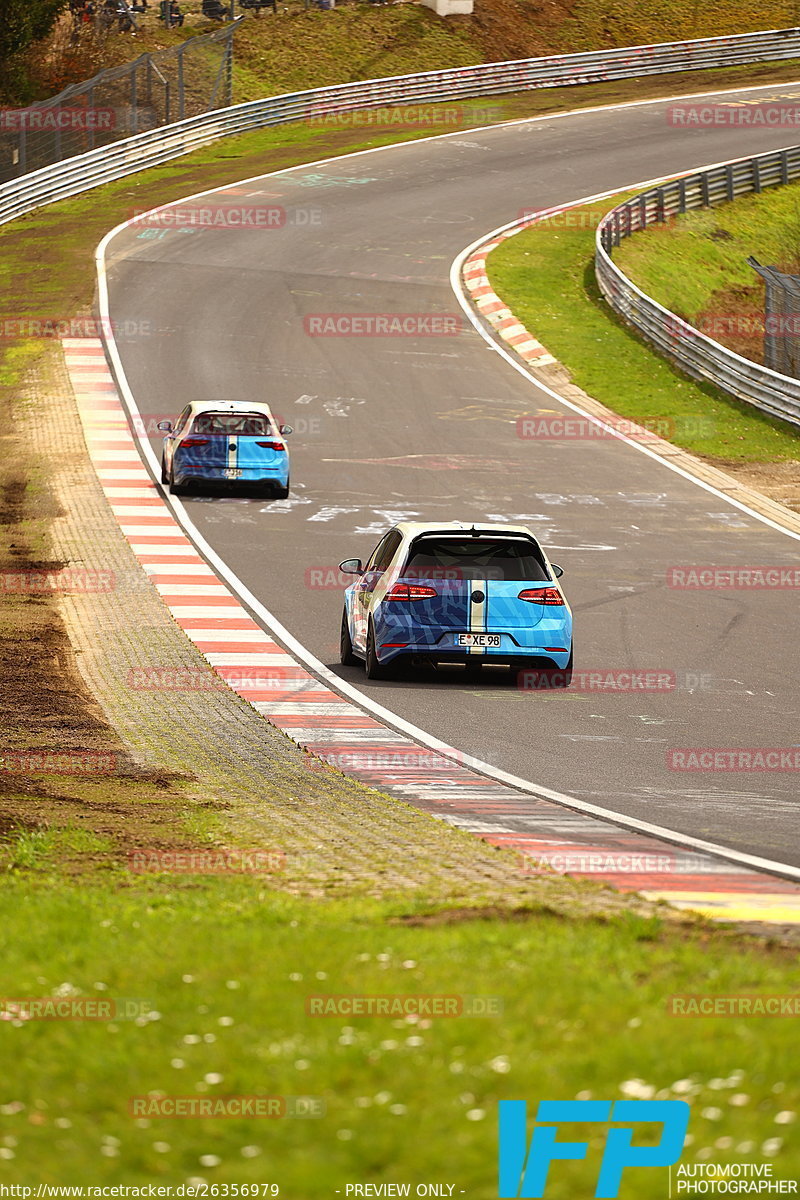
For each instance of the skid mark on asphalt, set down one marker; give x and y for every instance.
(337, 731)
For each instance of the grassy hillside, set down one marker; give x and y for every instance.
(697, 265)
(302, 48)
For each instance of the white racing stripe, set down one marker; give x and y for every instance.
(477, 612)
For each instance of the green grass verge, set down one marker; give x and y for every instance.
(696, 263)
(225, 971)
(546, 277)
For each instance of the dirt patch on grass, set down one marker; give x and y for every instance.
(94, 833)
(647, 924)
(778, 480)
(493, 912)
(46, 709)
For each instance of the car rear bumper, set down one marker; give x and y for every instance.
(517, 646)
(184, 473)
(508, 655)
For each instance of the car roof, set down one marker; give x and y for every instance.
(230, 406)
(413, 529)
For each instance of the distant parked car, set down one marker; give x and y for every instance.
(225, 442)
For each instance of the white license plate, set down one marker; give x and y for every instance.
(478, 639)
(232, 472)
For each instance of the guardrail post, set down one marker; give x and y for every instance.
(756, 167)
(661, 212)
(729, 181)
(682, 196)
(784, 166)
(705, 189)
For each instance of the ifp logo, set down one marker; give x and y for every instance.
(523, 1173)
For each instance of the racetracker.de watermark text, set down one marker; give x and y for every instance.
(734, 758)
(397, 1005)
(383, 324)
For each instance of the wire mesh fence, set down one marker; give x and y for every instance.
(781, 319)
(153, 90)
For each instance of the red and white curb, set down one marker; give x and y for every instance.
(547, 836)
(492, 308)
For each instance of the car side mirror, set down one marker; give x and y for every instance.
(285, 430)
(351, 566)
(557, 570)
(165, 425)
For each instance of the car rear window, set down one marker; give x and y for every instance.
(475, 558)
(245, 424)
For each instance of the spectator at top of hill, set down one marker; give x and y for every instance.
(215, 10)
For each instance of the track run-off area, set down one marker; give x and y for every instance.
(425, 427)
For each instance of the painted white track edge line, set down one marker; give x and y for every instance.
(297, 649)
(477, 322)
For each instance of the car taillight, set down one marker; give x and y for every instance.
(272, 445)
(410, 591)
(541, 595)
(190, 442)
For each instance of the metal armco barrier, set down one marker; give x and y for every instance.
(85, 171)
(688, 348)
(152, 90)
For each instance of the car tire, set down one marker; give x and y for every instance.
(346, 656)
(177, 489)
(164, 478)
(374, 669)
(282, 493)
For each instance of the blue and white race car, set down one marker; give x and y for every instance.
(228, 441)
(457, 593)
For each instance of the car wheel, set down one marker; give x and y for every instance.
(346, 656)
(164, 478)
(282, 493)
(374, 669)
(177, 489)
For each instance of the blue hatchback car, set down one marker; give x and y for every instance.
(457, 593)
(225, 442)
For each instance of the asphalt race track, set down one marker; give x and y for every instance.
(425, 427)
